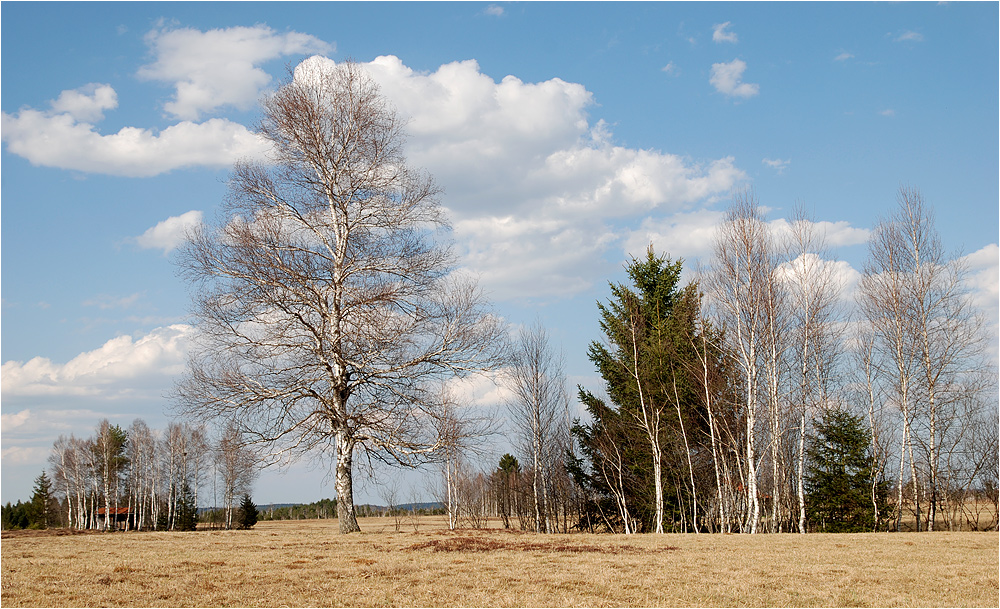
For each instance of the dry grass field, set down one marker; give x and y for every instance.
(305, 563)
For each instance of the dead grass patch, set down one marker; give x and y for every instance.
(306, 563)
(492, 544)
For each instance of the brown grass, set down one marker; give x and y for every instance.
(306, 563)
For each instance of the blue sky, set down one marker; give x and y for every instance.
(565, 135)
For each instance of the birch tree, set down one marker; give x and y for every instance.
(739, 285)
(325, 298)
(237, 468)
(538, 384)
(813, 290)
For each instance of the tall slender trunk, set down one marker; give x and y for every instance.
(801, 471)
(345, 484)
(687, 453)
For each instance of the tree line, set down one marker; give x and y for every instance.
(755, 398)
(138, 478)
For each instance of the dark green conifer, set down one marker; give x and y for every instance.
(841, 476)
(187, 512)
(247, 517)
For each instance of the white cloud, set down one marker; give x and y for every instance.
(809, 266)
(834, 234)
(727, 78)
(219, 67)
(777, 164)
(86, 103)
(169, 233)
(671, 69)
(25, 455)
(721, 33)
(984, 280)
(685, 235)
(844, 56)
(909, 36)
(889, 112)
(690, 235)
(537, 190)
(494, 10)
(10, 422)
(60, 140)
(119, 368)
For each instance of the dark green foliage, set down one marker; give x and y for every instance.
(247, 516)
(509, 465)
(186, 518)
(16, 516)
(650, 331)
(324, 508)
(506, 482)
(841, 475)
(41, 508)
(162, 519)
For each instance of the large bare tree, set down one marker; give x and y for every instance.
(926, 334)
(326, 300)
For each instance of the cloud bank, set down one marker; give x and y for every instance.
(122, 367)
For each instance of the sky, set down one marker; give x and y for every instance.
(566, 136)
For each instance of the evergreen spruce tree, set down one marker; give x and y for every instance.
(39, 509)
(646, 361)
(247, 517)
(841, 476)
(187, 511)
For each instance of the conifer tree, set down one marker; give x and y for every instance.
(187, 510)
(841, 475)
(647, 427)
(39, 507)
(248, 513)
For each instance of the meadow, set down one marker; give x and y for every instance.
(305, 563)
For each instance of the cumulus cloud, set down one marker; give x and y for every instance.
(86, 103)
(117, 369)
(169, 233)
(811, 268)
(834, 234)
(60, 140)
(219, 67)
(538, 190)
(843, 56)
(209, 70)
(727, 78)
(721, 33)
(494, 10)
(690, 235)
(984, 279)
(671, 69)
(685, 235)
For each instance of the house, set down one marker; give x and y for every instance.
(118, 516)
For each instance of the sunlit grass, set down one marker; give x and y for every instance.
(305, 563)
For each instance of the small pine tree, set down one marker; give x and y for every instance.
(841, 476)
(41, 501)
(247, 517)
(187, 511)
